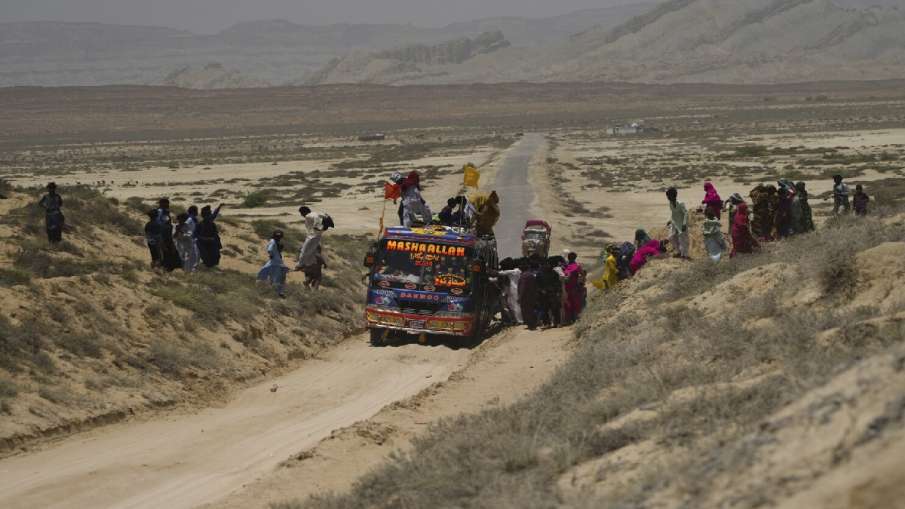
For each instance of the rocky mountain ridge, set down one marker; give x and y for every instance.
(276, 52)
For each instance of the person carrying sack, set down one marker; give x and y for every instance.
(316, 223)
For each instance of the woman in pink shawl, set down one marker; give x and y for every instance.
(644, 253)
(712, 201)
(574, 288)
(742, 240)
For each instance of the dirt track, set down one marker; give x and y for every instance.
(188, 460)
(502, 370)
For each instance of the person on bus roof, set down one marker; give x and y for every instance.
(414, 208)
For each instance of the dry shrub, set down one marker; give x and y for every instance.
(637, 358)
(257, 198)
(85, 208)
(173, 359)
(14, 276)
(82, 345)
(8, 388)
(838, 273)
(43, 263)
(56, 394)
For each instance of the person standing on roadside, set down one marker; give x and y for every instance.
(860, 201)
(192, 228)
(806, 222)
(840, 196)
(52, 203)
(575, 288)
(731, 205)
(762, 202)
(509, 275)
(742, 239)
(314, 274)
(714, 242)
(185, 242)
(528, 293)
(153, 238)
(208, 237)
(712, 201)
(678, 225)
(610, 276)
(315, 227)
(169, 259)
(783, 220)
(549, 287)
(274, 271)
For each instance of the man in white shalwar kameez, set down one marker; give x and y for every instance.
(314, 225)
(509, 278)
(193, 255)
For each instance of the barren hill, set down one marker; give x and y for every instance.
(211, 76)
(89, 334)
(408, 62)
(723, 41)
(272, 51)
(742, 41)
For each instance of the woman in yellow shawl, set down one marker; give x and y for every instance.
(610, 269)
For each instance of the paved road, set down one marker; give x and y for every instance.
(516, 194)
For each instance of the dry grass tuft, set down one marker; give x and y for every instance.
(96, 332)
(661, 355)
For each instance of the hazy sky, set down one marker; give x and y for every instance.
(212, 15)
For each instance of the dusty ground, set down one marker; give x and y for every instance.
(223, 147)
(498, 373)
(340, 175)
(615, 185)
(183, 461)
(143, 341)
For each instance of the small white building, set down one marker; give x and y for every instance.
(633, 128)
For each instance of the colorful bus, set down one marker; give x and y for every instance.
(433, 280)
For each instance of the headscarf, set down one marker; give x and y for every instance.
(711, 196)
(641, 237)
(736, 198)
(412, 180)
(741, 216)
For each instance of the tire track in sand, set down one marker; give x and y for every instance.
(184, 461)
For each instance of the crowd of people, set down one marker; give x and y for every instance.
(538, 291)
(480, 213)
(188, 244)
(776, 212)
(194, 240)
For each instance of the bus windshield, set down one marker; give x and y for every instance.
(431, 267)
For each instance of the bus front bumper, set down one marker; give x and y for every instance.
(419, 324)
